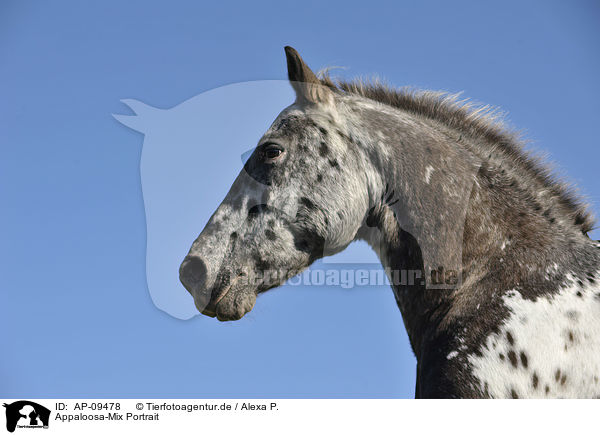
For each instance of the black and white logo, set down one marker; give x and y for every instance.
(26, 414)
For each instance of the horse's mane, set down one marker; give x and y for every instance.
(478, 122)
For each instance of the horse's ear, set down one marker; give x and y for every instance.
(306, 84)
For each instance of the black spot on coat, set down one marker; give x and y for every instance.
(307, 203)
(323, 149)
(510, 338)
(512, 356)
(524, 359)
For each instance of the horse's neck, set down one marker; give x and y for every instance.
(453, 206)
(513, 236)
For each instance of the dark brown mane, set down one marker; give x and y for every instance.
(478, 122)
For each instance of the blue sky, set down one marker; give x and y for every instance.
(74, 303)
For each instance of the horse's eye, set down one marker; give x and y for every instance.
(272, 152)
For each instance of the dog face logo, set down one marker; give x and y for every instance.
(24, 413)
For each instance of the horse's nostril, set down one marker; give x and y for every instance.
(192, 273)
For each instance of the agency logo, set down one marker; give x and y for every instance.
(26, 414)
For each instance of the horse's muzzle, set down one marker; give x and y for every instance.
(226, 300)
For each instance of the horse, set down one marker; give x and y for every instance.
(504, 300)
